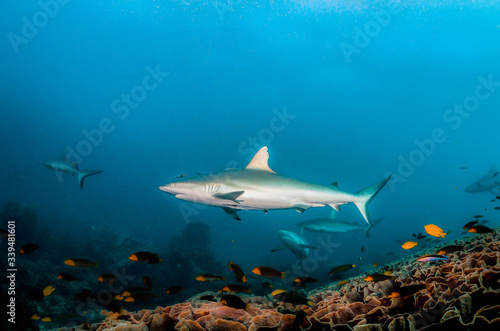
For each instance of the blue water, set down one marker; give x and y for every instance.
(369, 89)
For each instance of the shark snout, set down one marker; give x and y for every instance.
(169, 188)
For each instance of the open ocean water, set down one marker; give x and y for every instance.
(145, 91)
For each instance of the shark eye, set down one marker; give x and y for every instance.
(172, 185)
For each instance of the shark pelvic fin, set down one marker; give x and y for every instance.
(229, 196)
(335, 184)
(260, 161)
(231, 212)
(300, 207)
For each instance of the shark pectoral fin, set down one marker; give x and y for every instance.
(300, 207)
(308, 246)
(229, 196)
(260, 161)
(231, 212)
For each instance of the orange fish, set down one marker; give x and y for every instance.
(435, 231)
(409, 244)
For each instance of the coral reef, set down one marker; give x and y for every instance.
(462, 293)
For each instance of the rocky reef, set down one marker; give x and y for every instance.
(459, 294)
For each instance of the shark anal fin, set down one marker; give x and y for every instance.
(231, 212)
(229, 196)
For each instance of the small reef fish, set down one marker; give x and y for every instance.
(435, 231)
(405, 291)
(375, 265)
(35, 317)
(135, 290)
(209, 278)
(267, 285)
(419, 236)
(107, 278)
(497, 208)
(233, 301)
(238, 272)
(470, 225)
(343, 282)
(48, 290)
(292, 297)
(376, 277)
(450, 249)
(305, 280)
(81, 263)
(147, 281)
(28, 248)
(480, 229)
(409, 244)
(362, 249)
(479, 216)
(432, 257)
(235, 288)
(82, 296)
(67, 277)
(341, 268)
(150, 258)
(268, 272)
(3, 234)
(140, 297)
(388, 272)
(174, 289)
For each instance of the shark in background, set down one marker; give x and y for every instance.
(257, 187)
(488, 182)
(295, 243)
(333, 225)
(62, 164)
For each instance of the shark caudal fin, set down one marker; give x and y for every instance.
(365, 197)
(368, 228)
(82, 174)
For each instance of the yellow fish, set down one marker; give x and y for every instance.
(343, 282)
(409, 244)
(35, 317)
(48, 290)
(46, 319)
(388, 272)
(435, 231)
(375, 265)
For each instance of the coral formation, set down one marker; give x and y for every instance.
(462, 293)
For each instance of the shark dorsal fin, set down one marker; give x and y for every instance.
(259, 161)
(335, 184)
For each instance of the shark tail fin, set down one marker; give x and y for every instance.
(368, 228)
(366, 195)
(82, 174)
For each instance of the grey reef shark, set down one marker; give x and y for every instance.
(332, 225)
(62, 164)
(257, 187)
(486, 183)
